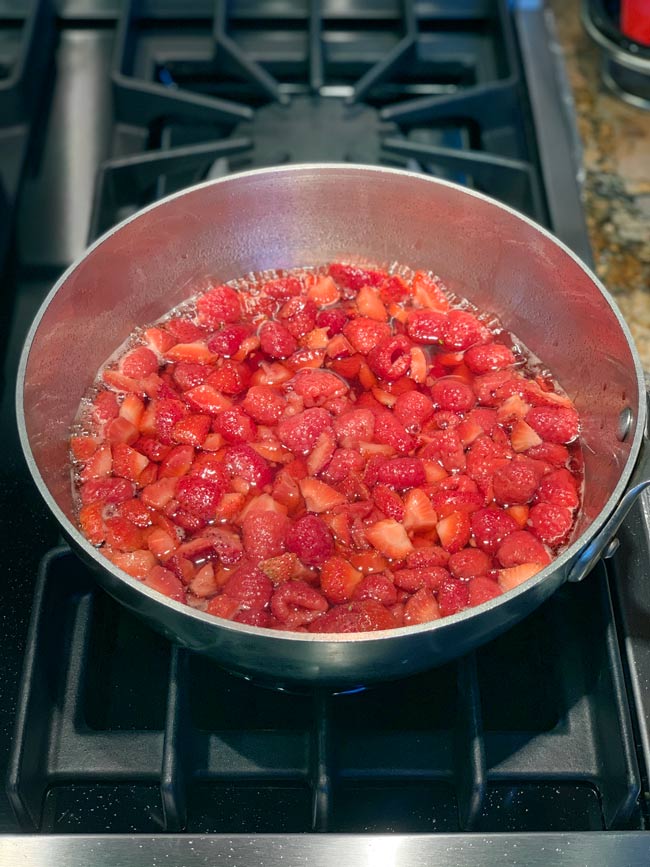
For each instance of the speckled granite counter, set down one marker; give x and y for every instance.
(616, 143)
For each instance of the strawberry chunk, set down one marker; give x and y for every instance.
(364, 616)
(453, 596)
(264, 534)
(310, 539)
(320, 497)
(192, 430)
(122, 535)
(515, 482)
(188, 374)
(250, 587)
(166, 582)
(377, 587)
(422, 607)
(177, 462)
(390, 539)
(490, 527)
(516, 575)
(482, 589)
(391, 359)
(551, 524)
(228, 340)
(554, 424)
(354, 427)
(388, 502)
(235, 426)
(364, 333)
(560, 489)
(243, 461)
(339, 579)
(454, 531)
(112, 491)
(353, 277)
(139, 362)
(490, 356)
(470, 562)
(217, 306)
(276, 341)
(300, 432)
(296, 603)
(402, 473)
(199, 496)
(426, 326)
(264, 404)
(411, 580)
(522, 547)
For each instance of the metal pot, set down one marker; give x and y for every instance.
(311, 214)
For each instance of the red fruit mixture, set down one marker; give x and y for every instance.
(341, 450)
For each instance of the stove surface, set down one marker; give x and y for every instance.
(105, 728)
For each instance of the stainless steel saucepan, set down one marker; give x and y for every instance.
(312, 214)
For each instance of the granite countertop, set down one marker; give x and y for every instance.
(616, 152)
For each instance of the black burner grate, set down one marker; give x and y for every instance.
(119, 730)
(434, 88)
(26, 42)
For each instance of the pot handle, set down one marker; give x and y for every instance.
(598, 546)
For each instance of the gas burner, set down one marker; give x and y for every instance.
(316, 129)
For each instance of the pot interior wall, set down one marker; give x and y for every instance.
(310, 215)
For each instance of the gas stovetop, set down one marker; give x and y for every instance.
(535, 749)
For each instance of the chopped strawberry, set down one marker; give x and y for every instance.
(184, 331)
(320, 497)
(422, 607)
(158, 340)
(127, 462)
(515, 482)
(490, 527)
(206, 398)
(83, 447)
(364, 333)
(91, 521)
(516, 575)
(217, 306)
(187, 374)
(243, 461)
(343, 463)
(282, 287)
(223, 606)
(426, 326)
(300, 432)
(554, 424)
(177, 462)
(490, 356)
(522, 547)
(370, 304)
(139, 362)
(353, 277)
(166, 582)
(295, 604)
(264, 535)
(324, 291)
(192, 430)
(364, 616)
(389, 431)
(453, 596)
(250, 587)
(281, 568)
(427, 556)
(339, 579)
(137, 564)
(122, 535)
(482, 589)
(377, 587)
(454, 531)
(235, 426)
(111, 490)
(264, 404)
(419, 514)
(430, 577)
(162, 544)
(523, 437)
(552, 453)
(429, 291)
(551, 524)
(198, 496)
(389, 538)
(354, 427)
(276, 341)
(559, 488)
(322, 453)
(204, 584)
(136, 512)
(228, 340)
(388, 502)
(159, 493)
(469, 562)
(99, 465)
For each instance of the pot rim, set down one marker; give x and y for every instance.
(561, 563)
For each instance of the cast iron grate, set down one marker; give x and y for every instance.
(435, 88)
(26, 44)
(117, 730)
